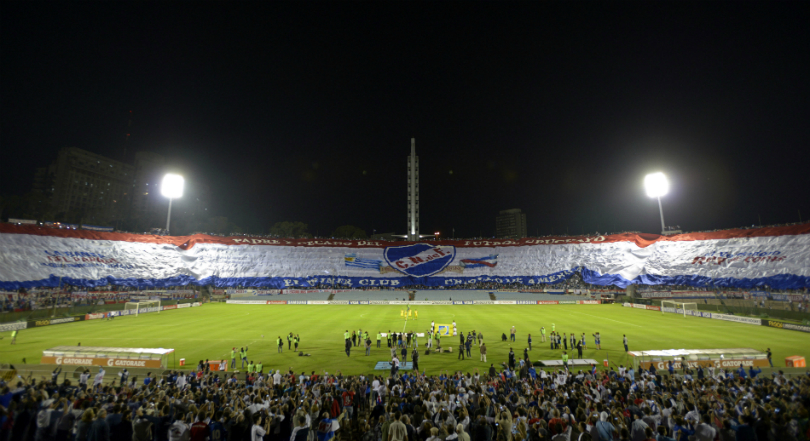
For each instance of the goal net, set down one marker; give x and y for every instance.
(143, 306)
(678, 307)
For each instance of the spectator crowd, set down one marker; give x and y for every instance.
(527, 404)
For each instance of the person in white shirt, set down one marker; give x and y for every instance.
(277, 378)
(179, 430)
(83, 379)
(705, 431)
(257, 432)
(99, 378)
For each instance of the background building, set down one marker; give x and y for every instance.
(510, 224)
(85, 188)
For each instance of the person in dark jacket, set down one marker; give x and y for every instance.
(745, 431)
(481, 430)
(99, 430)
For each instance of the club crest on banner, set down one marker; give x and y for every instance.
(421, 259)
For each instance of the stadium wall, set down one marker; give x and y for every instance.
(727, 317)
(47, 313)
(90, 316)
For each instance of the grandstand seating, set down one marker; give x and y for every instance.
(302, 296)
(456, 295)
(534, 296)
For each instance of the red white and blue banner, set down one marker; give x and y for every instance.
(33, 256)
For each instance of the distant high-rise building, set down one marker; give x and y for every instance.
(92, 189)
(413, 193)
(86, 185)
(510, 224)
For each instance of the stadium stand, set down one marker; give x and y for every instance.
(534, 296)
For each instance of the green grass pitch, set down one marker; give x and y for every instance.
(210, 332)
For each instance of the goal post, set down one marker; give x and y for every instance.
(142, 305)
(684, 306)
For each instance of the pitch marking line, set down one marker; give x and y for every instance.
(605, 318)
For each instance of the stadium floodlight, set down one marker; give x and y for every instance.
(172, 188)
(657, 185)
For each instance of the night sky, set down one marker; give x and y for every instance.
(304, 111)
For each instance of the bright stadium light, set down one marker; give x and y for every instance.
(172, 188)
(657, 185)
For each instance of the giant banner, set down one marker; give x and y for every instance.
(32, 256)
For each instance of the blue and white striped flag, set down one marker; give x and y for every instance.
(356, 262)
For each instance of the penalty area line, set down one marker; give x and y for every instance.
(605, 318)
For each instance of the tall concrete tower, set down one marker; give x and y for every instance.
(413, 193)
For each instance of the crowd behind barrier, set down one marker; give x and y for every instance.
(511, 400)
(70, 296)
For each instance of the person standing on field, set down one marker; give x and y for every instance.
(530, 342)
(289, 341)
(625, 343)
(296, 339)
(280, 343)
(379, 338)
(542, 334)
(511, 359)
(483, 350)
(233, 358)
(512, 334)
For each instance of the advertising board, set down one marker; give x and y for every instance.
(105, 362)
(722, 364)
(783, 325)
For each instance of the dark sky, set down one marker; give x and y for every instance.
(304, 111)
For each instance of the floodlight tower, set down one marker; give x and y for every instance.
(171, 187)
(413, 193)
(657, 185)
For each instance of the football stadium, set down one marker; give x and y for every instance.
(204, 233)
(105, 311)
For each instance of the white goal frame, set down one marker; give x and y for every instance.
(143, 304)
(677, 305)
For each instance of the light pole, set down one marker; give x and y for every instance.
(657, 185)
(171, 187)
